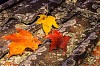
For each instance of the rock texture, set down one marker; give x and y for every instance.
(79, 19)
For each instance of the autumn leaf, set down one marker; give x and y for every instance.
(96, 52)
(58, 40)
(21, 40)
(47, 23)
(10, 64)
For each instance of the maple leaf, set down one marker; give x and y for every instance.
(58, 40)
(21, 40)
(47, 23)
(96, 52)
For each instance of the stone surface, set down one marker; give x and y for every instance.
(80, 23)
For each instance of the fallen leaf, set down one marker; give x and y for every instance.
(21, 40)
(85, 65)
(47, 23)
(10, 64)
(58, 40)
(96, 52)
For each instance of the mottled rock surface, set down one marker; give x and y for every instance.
(79, 19)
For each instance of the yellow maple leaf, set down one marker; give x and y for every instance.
(47, 23)
(21, 40)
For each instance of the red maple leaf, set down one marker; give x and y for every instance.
(58, 40)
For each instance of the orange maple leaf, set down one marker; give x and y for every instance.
(21, 40)
(96, 52)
